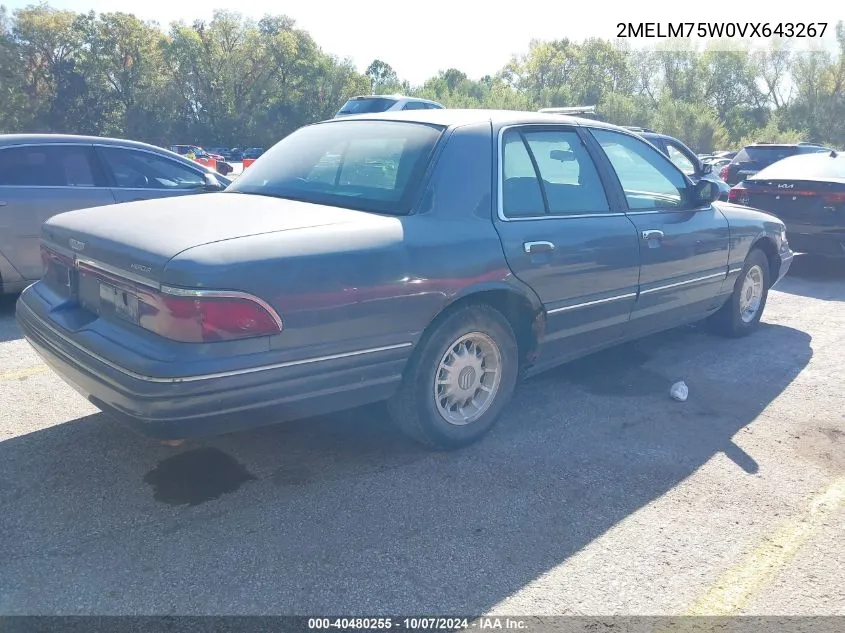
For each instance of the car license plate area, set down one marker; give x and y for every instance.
(122, 303)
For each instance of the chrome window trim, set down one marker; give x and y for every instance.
(682, 283)
(500, 175)
(627, 295)
(180, 292)
(199, 377)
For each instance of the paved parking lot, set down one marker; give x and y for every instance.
(597, 494)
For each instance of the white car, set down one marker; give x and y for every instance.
(385, 103)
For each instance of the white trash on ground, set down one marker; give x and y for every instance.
(679, 391)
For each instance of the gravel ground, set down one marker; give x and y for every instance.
(596, 495)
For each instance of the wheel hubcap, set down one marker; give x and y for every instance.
(751, 294)
(467, 379)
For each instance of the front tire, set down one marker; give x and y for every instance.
(460, 379)
(742, 312)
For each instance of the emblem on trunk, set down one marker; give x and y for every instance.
(140, 267)
(785, 186)
(76, 244)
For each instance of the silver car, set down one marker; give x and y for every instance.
(42, 175)
(368, 104)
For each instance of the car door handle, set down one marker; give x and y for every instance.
(652, 235)
(532, 248)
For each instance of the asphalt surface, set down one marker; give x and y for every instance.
(597, 494)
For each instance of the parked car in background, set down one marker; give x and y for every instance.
(717, 163)
(253, 153)
(203, 157)
(807, 192)
(444, 254)
(368, 104)
(45, 174)
(235, 155)
(752, 158)
(684, 158)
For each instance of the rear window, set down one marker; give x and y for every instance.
(365, 106)
(805, 167)
(765, 155)
(368, 165)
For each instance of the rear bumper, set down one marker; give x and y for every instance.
(804, 239)
(208, 404)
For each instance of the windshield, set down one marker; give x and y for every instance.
(366, 165)
(805, 167)
(365, 106)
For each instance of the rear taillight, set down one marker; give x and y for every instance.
(723, 173)
(834, 198)
(738, 195)
(200, 316)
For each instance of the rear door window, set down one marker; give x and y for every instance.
(568, 181)
(134, 169)
(49, 166)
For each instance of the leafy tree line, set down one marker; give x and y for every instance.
(236, 81)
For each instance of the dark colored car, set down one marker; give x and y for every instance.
(752, 158)
(45, 174)
(807, 192)
(425, 258)
(686, 160)
(235, 155)
(253, 153)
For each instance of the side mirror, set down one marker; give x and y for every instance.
(706, 168)
(704, 192)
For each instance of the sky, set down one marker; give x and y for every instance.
(418, 39)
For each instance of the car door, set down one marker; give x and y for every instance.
(142, 175)
(38, 181)
(683, 243)
(564, 238)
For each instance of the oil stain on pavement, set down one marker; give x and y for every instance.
(196, 476)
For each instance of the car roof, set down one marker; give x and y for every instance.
(11, 140)
(22, 139)
(448, 117)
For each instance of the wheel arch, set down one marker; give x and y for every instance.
(520, 307)
(766, 244)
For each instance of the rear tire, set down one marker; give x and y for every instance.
(742, 312)
(459, 380)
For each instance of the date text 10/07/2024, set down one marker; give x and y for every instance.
(417, 624)
(720, 29)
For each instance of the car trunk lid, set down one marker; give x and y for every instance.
(140, 238)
